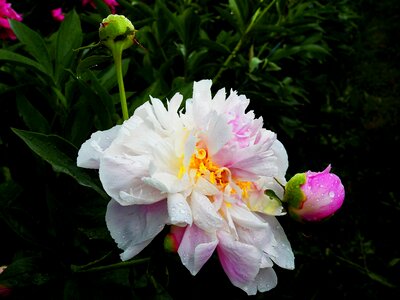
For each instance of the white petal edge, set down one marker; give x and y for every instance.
(179, 210)
(133, 227)
(92, 150)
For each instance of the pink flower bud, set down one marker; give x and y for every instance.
(314, 196)
(57, 14)
(173, 239)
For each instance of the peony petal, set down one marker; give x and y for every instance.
(266, 279)
(179, 210)
(219, 132)
(219, 103)
(204, 214)
(201, 102)
(196, 248)
(203, 186)
(280, 250)
(282, 160)
(121, 177)
(134, 227)
(167, 183)
(241, 262)
(92, 150)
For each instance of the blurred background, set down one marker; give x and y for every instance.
(324, 75)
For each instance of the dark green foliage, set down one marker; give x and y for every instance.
(324, 75)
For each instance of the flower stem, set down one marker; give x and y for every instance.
(124, 264)
(117, 55)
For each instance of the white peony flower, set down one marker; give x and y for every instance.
(204, 168)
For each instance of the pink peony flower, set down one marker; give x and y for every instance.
(314, 196)
(6, 13)
(110, 3)
(204, 171)
(57, 14)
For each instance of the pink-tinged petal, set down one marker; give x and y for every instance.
(240, 261)
(92, 150)
(196, 248)
(134, 227)
(179, 210)
(279, 250)
(122, 176)
(204, 214)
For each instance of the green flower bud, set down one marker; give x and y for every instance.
(117, 30)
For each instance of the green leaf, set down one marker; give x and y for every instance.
(25, 272)
(18, 58)
(69, 38)
(31, 116)
(34, 43)
(9, 191)
(90, 62)
(61, 154)
(102, 7)
(100, 101)
(237, 9)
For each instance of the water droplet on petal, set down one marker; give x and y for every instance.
(331, 194)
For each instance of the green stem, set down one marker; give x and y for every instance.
(256, 16)
(124, 264)
(117, 55)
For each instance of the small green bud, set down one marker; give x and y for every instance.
(117, 29)
(294, 196)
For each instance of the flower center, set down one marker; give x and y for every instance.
(204, 167)
(201, 165)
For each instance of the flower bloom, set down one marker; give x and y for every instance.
(110, 3)
(203, 171)
(57, 14)
(6, 13)
(314, 196)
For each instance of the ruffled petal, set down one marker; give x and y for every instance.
(134, 227)
(92, 150)
(121, 177)
(218, 132)
(240, 261)
(167, 183)
(201, 102)
(179, 210)
(196, 248)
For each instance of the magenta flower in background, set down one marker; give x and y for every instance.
(57, 14)
(110, 3)
(6, 13)
(314, 196)
(203, 169)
